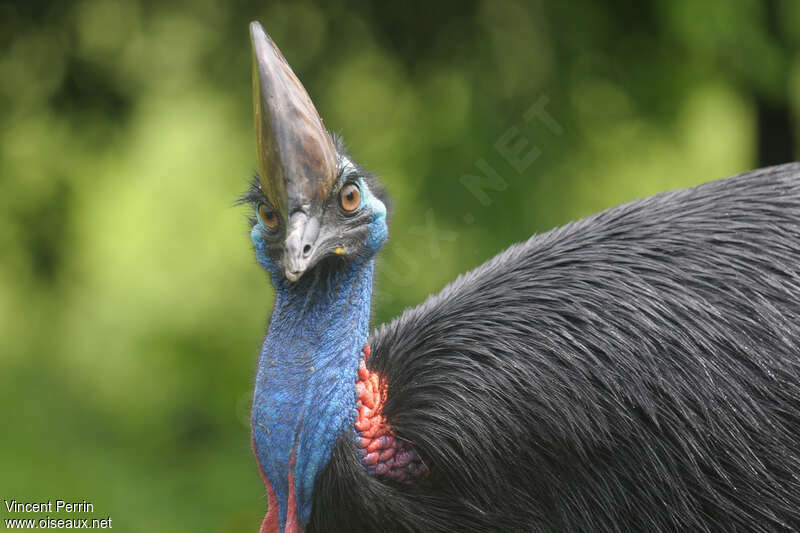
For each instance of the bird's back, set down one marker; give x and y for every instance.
(635, 370)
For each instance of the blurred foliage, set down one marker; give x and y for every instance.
(131, 309)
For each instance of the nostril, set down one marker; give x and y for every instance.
(306, 249)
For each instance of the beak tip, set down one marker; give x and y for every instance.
(293, 275)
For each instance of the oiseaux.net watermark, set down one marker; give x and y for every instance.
(40, 515)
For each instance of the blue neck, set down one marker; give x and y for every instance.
(305, 387)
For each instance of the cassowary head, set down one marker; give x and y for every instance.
(313, 204)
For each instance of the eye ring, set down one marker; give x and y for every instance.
(350, 197)
(269, 217)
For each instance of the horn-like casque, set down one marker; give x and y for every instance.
(296, 156)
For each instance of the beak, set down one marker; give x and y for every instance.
(300, 239)
(296, 156)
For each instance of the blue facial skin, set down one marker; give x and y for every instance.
(305, 387)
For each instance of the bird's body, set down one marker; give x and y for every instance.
(638, 370)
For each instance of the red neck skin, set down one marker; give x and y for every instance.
(271, 523)
(384, 454)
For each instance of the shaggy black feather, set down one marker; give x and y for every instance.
(638, 370)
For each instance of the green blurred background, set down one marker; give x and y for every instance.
(131, 308)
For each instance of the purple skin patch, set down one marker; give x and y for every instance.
(384, 455)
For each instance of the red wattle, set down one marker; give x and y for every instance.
(292, 523)
(271, 523)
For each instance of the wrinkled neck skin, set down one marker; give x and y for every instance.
(304, 394)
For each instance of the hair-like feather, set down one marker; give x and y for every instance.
(637, 370)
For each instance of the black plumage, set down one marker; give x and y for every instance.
(637, 370)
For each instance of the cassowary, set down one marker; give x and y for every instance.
(637, 370)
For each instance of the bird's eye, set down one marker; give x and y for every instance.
(350, 197)
(268, 217)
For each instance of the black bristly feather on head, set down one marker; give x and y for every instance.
(374, 185)
(637, 370)
(251, 197)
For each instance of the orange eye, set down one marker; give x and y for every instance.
(268, 217)
(350, 197)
